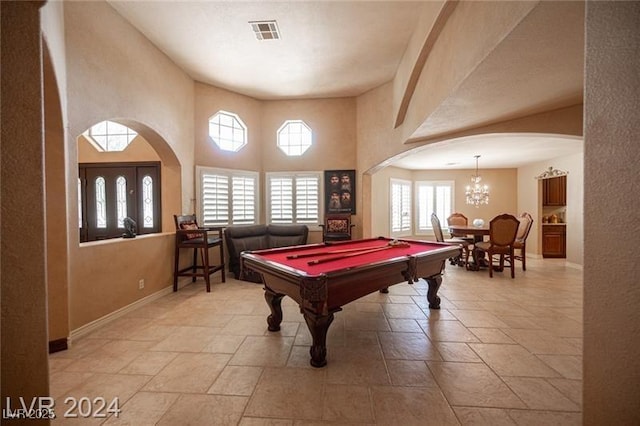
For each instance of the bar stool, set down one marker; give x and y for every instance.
(189, 235)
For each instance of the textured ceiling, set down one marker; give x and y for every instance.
(345, 48)
(538, 67)
(327, 48)
(496, 152)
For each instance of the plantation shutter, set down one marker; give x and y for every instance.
(281, 195)
(425, 205)
(435, 196)
(227, 197)
(294, 198)
(215, 199)
(400, 207)
(243, 200)
(307, 199)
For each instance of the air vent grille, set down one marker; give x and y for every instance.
(265, 30)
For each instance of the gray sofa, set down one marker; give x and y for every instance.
(241, 238)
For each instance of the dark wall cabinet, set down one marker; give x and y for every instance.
(554, 191)
(554, 242)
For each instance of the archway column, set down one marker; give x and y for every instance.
(23, 254)
(611, 365)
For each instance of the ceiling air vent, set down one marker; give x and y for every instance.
(265, 30)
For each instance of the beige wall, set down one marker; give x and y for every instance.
(138, 150)
(331, 120)
(208, 101)
(612, 154)
(52, 24)
(502, 184)
(106, 274)
(381, 184)
(156, 100)
(56, 211)
(416, 54)
(334, 135)
(155, 93)
(457, 52)
(377, 141)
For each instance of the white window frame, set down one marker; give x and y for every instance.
(101, 136)
(315, 226)
(407, 211)
(288, 146)
(422, 210)
(230, 174)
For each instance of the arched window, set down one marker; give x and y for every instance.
(108, 136)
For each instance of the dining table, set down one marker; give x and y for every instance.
(478, 233)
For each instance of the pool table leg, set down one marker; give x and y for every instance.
(274, 300)
(318, 326)
(432, 294)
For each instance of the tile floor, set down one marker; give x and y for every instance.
(499, 352)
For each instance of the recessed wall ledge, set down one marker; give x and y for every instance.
(126, 240)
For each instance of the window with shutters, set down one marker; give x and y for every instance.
(400, 215)
(294, 198)
(227, 197)
(433, 196)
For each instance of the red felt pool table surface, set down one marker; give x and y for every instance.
(348, 259)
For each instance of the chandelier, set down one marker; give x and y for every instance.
(476, 193)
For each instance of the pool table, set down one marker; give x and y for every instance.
(322, 278)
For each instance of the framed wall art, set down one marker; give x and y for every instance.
(340, 191)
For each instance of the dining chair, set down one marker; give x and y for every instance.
(463, 243)
(191, 236)
(502, 234)
(520, 244)
(456, 218)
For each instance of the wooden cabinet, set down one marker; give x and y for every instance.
(554, 242)
(554, 191)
